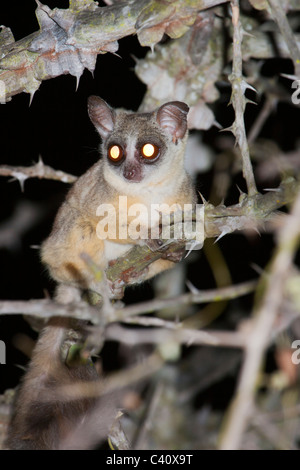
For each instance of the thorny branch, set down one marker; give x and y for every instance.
(176, 335)
(238, 100)
(263, 322)
(249, 213)
(267, 108)
(39, 170)
(70, 40)
(46, 308)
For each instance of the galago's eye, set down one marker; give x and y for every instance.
(115, 153)
(149, 151)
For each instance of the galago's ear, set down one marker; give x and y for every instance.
(101, 115)
(172, 117)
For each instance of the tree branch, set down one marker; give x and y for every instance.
(231, 339)
(70, 40)
(238, 100)
(39, 170)
(249, 213)
(263, 324)
(45, 308)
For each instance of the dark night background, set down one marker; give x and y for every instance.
(56, 126)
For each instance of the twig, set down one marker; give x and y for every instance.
(259, 337)
(270, 432)
(287, 413)
(70, 40)
(287, 33)
(187, 336)
(209, 295)
(258, 124)
(47, 308)
(44, 308)
(248, 214)
(39, 170)
(116, 435)
(167, 331)
(238, 99)
(147, 423)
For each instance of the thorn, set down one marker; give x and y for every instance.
(23, 368)
(257, 231)
(40, 166)
(222, 234)
(77, 81)
(188, 253)
(246, 33)
(31, 97)
(240, 191)
(40, 162)
(191, 245)
(257, 268)
(247, 101)
(190, 341)
(192, 288)
(274, 190)
(289, 77)
(117, 55)
(43, 14)
(245, 85)
(20, 177)
(91, 69)
(227, 129)
(167, 242)
(135, 59)
(218, 125)
(204, 201)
